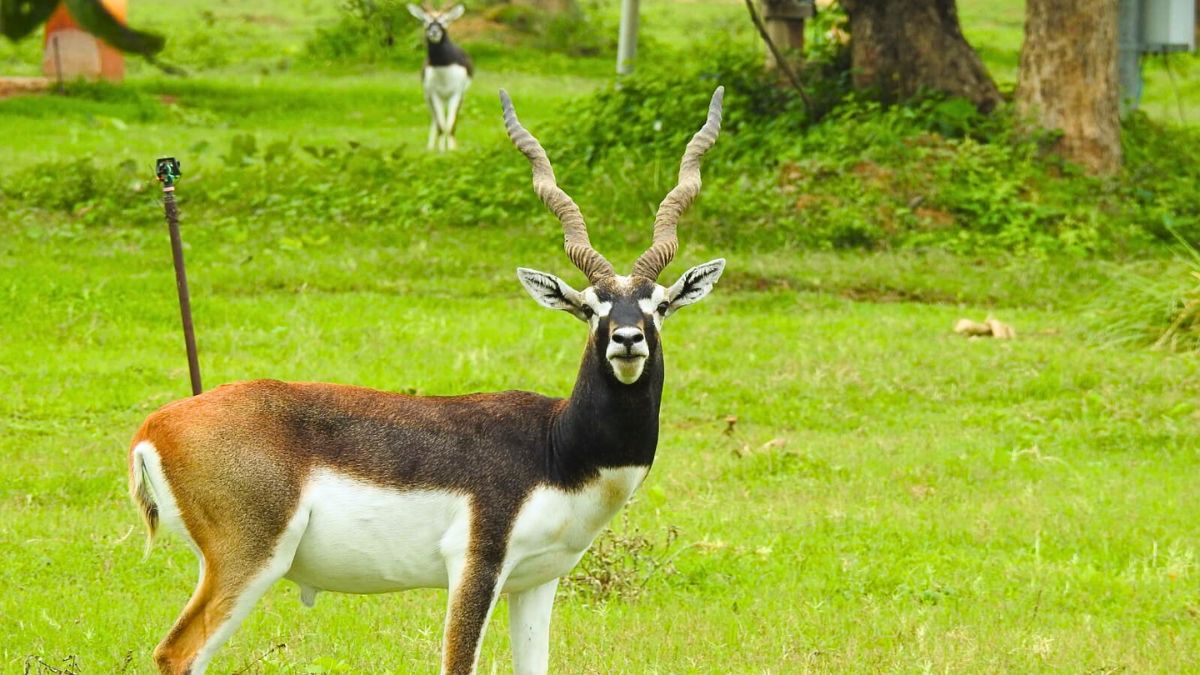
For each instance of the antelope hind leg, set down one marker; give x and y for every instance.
(230, 585)
(452, 109)
(435, 120)
(438, 108)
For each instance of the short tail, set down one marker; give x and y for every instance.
(140, 492)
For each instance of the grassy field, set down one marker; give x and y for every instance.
(852, 487)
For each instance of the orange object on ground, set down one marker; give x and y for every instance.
(80, 54)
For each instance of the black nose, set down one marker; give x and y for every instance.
(627, 338)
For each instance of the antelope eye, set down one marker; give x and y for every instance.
(663, 307)
(588, 311)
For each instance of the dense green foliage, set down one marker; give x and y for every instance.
(1154, 303)
(518, 35)
(931, 173)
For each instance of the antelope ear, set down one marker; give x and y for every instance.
(694, 284)
(418, 13)
(452, 14)
(550, 291)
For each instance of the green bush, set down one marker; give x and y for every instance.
(1161, 176)
(1155, 304)
(366, 32)
(94, 194)
(371, 31)
(933, 173)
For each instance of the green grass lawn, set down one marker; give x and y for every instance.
(891, 496)
(854, 488)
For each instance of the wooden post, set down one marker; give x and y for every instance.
(627, 39)
(784, 21)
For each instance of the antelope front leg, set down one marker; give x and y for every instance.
(435, 125)
(439, 118)
(474, 588)
(433, 135)
(529, 628)
(452, 109)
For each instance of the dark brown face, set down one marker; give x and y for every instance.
(625, 314)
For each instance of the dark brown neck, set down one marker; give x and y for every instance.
(444, 53)
(606, 424)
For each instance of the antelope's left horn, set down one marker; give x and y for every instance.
(662, 247)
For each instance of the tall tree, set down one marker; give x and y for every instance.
(902, 47)
(1068, 78)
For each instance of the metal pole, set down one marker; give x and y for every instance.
(627, 39)
(1129, 65)
(167, 170)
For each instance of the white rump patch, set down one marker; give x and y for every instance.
(146, 457)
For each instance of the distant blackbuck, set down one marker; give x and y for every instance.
(444, 77)
(347, 489)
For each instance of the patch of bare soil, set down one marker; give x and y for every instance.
(752, 281)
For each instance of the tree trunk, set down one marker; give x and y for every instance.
(1068, 78)
(902, 47)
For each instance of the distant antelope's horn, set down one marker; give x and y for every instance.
(575, 237)
(662, 247)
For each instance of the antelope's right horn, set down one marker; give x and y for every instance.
(575, 237)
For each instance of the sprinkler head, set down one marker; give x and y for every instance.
(167, 169)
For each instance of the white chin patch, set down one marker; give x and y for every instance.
(628, 370)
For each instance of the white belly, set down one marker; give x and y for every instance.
(445, 81)
(363, 538)
(367, 539)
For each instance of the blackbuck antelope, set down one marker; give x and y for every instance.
(444, 77)
(347, 489)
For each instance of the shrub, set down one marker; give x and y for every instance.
(94, 194)
(1154, 304)
(620, 564)
(1160, 178)
(371, 31)
(365, 33)
(932, 173)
